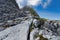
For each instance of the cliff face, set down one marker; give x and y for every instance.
(9, 10)
(14, 22)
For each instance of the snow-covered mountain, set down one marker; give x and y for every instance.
(25, 23)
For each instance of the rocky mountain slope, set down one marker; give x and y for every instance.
(50, 30)
(25, 23)
(18, 32)
(9, 10)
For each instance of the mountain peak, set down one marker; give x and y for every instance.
(33, 12)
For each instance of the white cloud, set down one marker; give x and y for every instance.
(46, 3)
(33, 2)
(22, 3)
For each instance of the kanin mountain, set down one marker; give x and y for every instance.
(25, 23)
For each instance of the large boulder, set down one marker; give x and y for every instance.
(37, 23)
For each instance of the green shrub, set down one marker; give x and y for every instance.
(42, 38)
(33, 12)
(6, 26)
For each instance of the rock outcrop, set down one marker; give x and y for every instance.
(9, 10)
(48, 31)
(10, 14)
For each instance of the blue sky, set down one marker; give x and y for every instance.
(52, 11)
(49, 9)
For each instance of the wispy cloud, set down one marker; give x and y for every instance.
(22, 3)
(45, 4)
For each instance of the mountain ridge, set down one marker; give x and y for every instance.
(15, 23)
